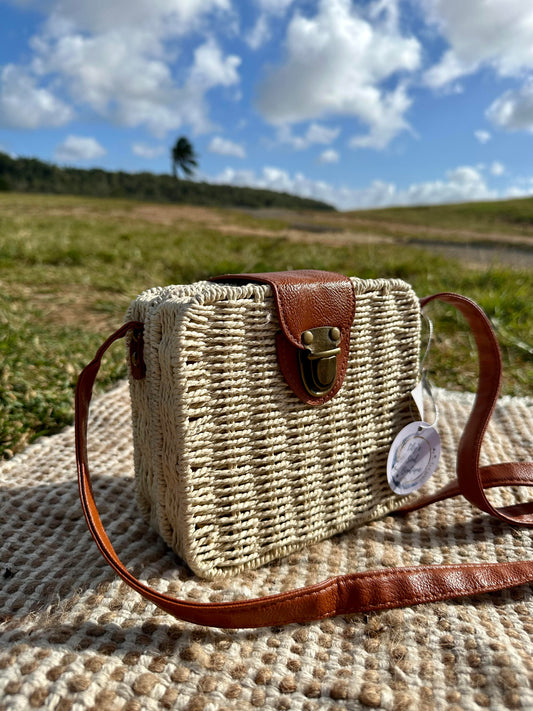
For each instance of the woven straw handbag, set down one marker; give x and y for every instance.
(264, 407)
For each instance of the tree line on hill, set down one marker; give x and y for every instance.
(35, 176)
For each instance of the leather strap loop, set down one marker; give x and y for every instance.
(358, 592)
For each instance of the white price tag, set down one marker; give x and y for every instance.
(413, 457)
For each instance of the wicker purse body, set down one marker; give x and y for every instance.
(263, 413)
(233, 470)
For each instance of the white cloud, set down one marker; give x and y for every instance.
(225, 147)
(488, 33)
(497, 168)
(211, 68)
(275, 7)
(495, 33)
(513, 110)
(387, 121)
(75, 148)
(321, 134)
(149, 152)
(339, 63)
(5, 150)
(316, 133)
(272, 178)
(117, 59)
(523, 187)
(101, 68)
(482, 136)
(163, 17)
(461, 184)
(261, 32)
(25, 105)
(329, 156)
(447, 71)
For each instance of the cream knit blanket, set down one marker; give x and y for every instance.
(74, 637)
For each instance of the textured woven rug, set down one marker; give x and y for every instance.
(74, 637)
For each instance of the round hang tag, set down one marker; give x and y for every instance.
(413, 457)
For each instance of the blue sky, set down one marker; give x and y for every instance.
(360, 104)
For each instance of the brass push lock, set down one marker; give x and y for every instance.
(318, 362)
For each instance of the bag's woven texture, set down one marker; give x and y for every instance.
(75, 637)
(233, 470)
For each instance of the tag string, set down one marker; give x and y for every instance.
(426, 385)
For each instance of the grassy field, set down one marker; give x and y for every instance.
(70, 266)
(509, 222)
(514, 216)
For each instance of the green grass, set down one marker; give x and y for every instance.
(70, 266)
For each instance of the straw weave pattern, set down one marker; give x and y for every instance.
(233, 470)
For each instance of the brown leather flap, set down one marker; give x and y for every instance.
(307, 299)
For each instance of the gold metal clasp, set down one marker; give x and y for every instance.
(318, 362)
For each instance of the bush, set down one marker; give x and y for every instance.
(34, 176)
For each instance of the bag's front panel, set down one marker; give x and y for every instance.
(247, 472)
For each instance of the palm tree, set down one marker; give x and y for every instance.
(183, 157)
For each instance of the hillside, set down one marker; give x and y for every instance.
(499, 220)
(30, 175)
(515, 215)
(480, 233)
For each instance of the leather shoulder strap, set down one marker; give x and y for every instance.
(358, 592)
(472, 480)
